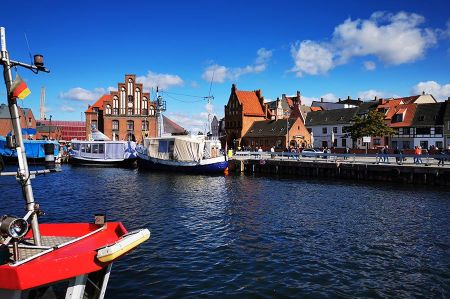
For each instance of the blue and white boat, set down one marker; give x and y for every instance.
(182, 154)
(101, 151)
(34, 150)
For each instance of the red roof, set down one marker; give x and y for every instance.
(99, 103)
(250, 103)
(409, 110)
(408, 100)
(316, 108)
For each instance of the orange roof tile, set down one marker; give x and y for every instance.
(316, 108)
(250, 103)
(408, 100)
(408, 110)
(99, 103)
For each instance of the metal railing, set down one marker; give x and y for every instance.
(399, 159)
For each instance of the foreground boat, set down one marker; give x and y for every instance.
(103, 153)
(182, 154)
(60, 260)
(34, 149)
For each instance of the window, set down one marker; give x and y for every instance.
(163, 146)
(151, 111)
(438, 130)
(101, 148)
(397, 118)
(95, 109)
(144, 106)
(115, 109)
(422, 131)
(344, 142)
(115, 125)
(145, 125)
(376, 141)
(421, 118)
(394, 144)
(334, 129)
(130, 110)
(95, 148)
(335, 142)
(94, 124)
(108, 109)
(406, 131)
(324, 143)
(324, 130)
(424, 144)
(130, 125)
(406, 145)
(439, 144)
(29, 121)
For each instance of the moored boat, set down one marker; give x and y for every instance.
(103, 153)
(57, 260)
(182, 154)
(34, 149)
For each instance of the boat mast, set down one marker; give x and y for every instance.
(160, 108)
(23, 174)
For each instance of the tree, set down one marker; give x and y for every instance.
(371, 125)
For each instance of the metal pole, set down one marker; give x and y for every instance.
(23, 173)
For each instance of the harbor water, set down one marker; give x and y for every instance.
(247, 236)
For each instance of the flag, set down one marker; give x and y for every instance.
(19, 89)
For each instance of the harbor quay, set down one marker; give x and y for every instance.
(403, 169)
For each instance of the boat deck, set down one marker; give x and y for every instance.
(27, 251)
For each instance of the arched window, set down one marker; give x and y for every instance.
(130, 125)
(122, 100)
(130, 86)
(145, 125)
(144, 106)
(108, 109)
(151, 111)
(115, 110)
(137, 101)
(115, 125)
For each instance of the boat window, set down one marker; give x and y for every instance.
(101, 148)
(95, 148)
(75, 146)
(88, 148)
(163, 146)
(83, 148)
(171, 146)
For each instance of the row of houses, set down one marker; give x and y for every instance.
(252, 122)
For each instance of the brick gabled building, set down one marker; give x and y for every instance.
(241, 111)
(125, 114)
(27, 122)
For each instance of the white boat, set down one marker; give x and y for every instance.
(103, 153)
(182, 153)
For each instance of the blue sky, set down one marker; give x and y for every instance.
(324, 49)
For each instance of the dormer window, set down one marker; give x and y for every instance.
(421, 118)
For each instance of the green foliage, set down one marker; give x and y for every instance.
(371, 125)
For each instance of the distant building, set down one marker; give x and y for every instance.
(243, 108)
(125, 114)
(280, 134)
(428, 125)
(215, 128)
(27, 122)
(68, 129)
(446, 122)
(340, 104)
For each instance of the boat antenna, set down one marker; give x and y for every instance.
(160, 108)
(23, 174)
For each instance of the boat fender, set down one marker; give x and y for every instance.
(126, 243)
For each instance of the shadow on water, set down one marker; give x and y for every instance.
(247, 236)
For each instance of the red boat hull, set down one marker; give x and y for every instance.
(62, 263)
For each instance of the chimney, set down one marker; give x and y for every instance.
(258, 93)
(321, 100)
(359, 99)
(423, 92)
(348, 97)
(339, 100)
(376, 98)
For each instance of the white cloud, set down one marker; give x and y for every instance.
(392, 38)
(371, 94)
(311, 58)
(370, 65)
(81, 94)
(163, 81)
(439, 92)
(67, 108)
(219, 73)
(329, 97)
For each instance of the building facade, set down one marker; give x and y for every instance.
(27, 122)
(125, 114)
(68, 129)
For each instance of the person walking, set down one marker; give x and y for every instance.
(398, 157)
(418, 153)
(441, 156)
(386, 154)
